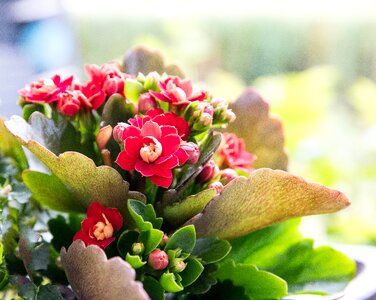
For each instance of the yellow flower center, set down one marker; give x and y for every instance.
(103, 230)
(152, 151)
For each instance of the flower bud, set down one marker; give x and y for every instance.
(118, 131)
(146, 102)
(164, 240)
(138, 248)
(208, 172)
(199, 115)
(158, 260)
(149, 81)
(179, 266)
(227, 175)
(217, 186)
(192, 150)
(222, 114)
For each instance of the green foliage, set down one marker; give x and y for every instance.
(211, 250)
(184, 239)
(257, 284)
(63, 231)
(133, 89)
(144, 215)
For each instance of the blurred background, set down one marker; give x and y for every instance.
(313, 61)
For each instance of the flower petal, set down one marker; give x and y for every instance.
(94, 210)
(170, 144)
(144, 168)
(132, 146)
(114, 217)
(125, 161)
(161, 181)
(151, 128)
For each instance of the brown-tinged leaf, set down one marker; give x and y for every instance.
(145, 60)
(262, 133)
(94, 277)
(266, 197)
(78, 178)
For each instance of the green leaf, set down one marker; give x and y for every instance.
(151, 239)
(179, 212)
(10, 147)
(135, 261)
(84, 181)
(211, 250)
(116, 110)
(190, 172)
(191, 272)
(28, 109)
(204, 281)
(48, 292)
(144, 215)
(133, 89)
(257, 284)
(62, 231)
(262, 133)
(4, 275)
(266, 197)
(126, 240)
(170, 282)
(184, 238)
(153, 288)
(260, 247)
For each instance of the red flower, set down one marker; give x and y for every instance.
(233, 154)
(45, 90)
(94, 94)
(99, 226)
(106, 77)
(177, 91)
(151, 149)
(69, 102)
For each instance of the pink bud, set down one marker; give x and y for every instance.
(118, 131)
(208, 172)
(158, 259)
(227, 175)
(164, 240)
(193, 152)
(179, 266)
(146, 102)
(217, 186)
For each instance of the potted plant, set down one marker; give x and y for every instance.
(129, 186)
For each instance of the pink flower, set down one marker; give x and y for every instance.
(177, 91)
(193, 152)
(146, 102)
(94, 94)
(162, 118)
(228, 175)
(106, 77)
(69, 102)
(151, 149)
(99, 226)
(233, 154)
(208, 172)
(45, 90)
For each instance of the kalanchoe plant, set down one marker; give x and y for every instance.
(174, 208)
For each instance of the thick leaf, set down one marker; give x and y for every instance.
(260, 247)
(48, 292)
(94, 277)
(190, 172)
(211, 250)
(10, 147)
(144, 215)
(179, 212)
(4, 276)
(257, 284)
(153, 288)
(145, 60)
(135, 261)
(262, 133)
(171, 282)
(151, 239)
(116, 110)
(133, 90)
(83, 181)
(266, 197)
(192, 271)
(184, 238)
(205, 281)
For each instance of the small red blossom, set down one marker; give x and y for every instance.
(99, 226)
(151, 149)
(69, 102)
(94, 94)
(177, 91)
(146, 102)
(232, 153)
(208, 172)
(106, 77)
(45, 90)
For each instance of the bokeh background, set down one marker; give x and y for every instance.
(313, 61)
